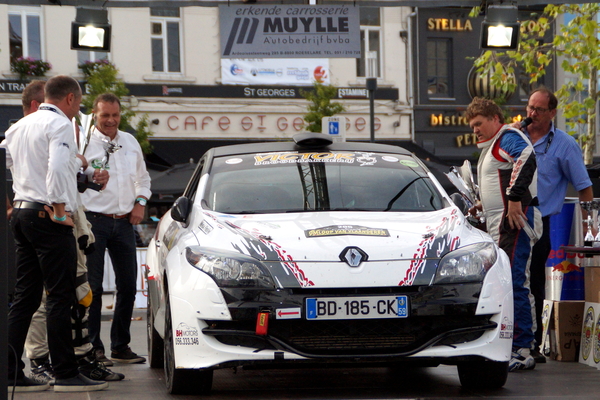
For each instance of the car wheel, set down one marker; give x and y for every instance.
(182, 381)
(483, 374)
(156, 346)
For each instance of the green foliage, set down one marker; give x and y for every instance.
(578, 41)
(143, 132)
(101, 77)
(320, 105)
(27, 66)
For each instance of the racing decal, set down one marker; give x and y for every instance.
(205, 227)
(366, 159)
(389, 159)
(186, 335)
(287, 158)
(288, 313)
(343, 230)
(588, 332)
(431, 248)
(506, 329)
(286, 273)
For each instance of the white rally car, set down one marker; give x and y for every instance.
(318, 252)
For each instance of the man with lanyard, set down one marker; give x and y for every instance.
(559, 163)
(41, 154)
(506, 172)
(112, 213)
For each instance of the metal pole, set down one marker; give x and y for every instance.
(371, 87)
(3, 281)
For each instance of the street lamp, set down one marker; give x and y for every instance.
(371, 85)
(500, 28)
(90, 30)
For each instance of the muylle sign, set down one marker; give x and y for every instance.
(289, 31)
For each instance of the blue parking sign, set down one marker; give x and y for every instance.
(334, 127)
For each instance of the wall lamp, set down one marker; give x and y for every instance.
(500, 28)
(90, 30)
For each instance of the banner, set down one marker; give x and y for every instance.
(280, 71)
(289, 31)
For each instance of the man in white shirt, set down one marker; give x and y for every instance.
(41, 154)
(112, 213)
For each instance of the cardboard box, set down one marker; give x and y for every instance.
(562, 322)
(592, 284)
(589, 353)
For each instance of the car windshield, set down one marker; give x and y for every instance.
(319, 181)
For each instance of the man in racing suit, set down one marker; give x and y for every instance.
(508, 186)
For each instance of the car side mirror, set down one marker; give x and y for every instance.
(460, 202)
(181, 210)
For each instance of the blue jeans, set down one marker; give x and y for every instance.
(46, 257)
(117, 236)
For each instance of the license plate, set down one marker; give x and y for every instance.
(357, 307)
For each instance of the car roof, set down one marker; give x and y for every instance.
(269, 147)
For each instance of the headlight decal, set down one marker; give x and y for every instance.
(437, 242)
(287, 271)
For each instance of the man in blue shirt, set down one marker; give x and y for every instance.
(559, 162)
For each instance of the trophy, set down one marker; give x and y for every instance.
(588, 207)
(462, 178)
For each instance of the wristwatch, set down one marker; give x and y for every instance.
(142, 201)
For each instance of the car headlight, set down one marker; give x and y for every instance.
(467, 264)
(229, 269)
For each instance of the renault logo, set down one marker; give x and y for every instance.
(353, 256)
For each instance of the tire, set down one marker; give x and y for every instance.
(483, 374)
(156, 345)
(178, 380)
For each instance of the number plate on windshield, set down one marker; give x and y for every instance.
(357, 307)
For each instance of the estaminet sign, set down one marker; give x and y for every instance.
(289, 31)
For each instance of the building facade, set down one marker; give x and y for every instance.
(170, 60)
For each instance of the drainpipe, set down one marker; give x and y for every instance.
(410, 83)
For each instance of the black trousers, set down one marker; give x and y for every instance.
(45, 258)
(539, 256)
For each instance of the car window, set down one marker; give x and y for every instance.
(319, 181)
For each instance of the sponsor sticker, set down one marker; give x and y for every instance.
(340, 230)
(389, 159)
(506, 329)
(205, 227)
(186, 335)
(409, 163)
(294, 158)
(233, 161)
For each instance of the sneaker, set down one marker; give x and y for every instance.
(521, 359)
(95, 370)
(79, 383)
(538, 357)
(26, 384)
(100, 357)
(127, 357)
(41, 371)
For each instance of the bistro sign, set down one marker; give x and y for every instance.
(289, 31)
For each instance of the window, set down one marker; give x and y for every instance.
(83, 56)
(370, 41)
(439, 72)
(24, 31)
(166, 54)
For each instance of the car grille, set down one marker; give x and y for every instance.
(353, 337)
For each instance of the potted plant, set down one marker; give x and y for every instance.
(27, 67)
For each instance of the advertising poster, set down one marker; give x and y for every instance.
(280, 71)
(289, 31)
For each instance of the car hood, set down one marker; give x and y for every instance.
(320, 248)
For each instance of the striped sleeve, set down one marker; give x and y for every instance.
(515, 149)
